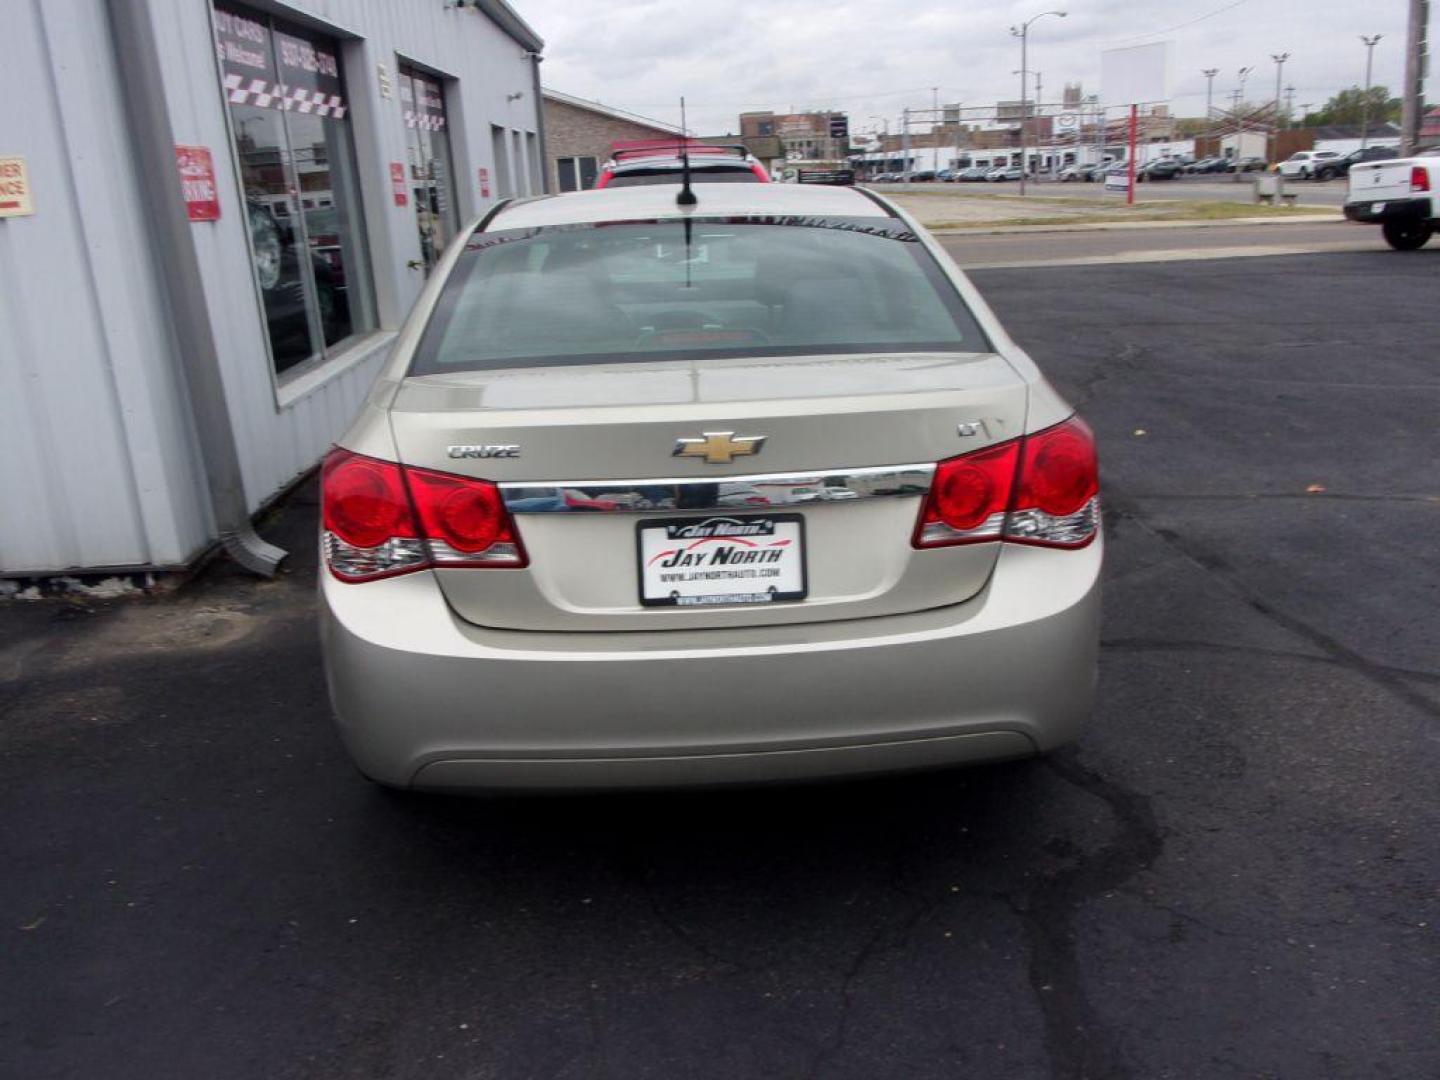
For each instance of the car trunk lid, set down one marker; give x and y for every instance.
(586, 456)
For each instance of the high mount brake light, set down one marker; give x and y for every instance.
(382, 519)
(1042, 489)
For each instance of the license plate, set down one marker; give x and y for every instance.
(1377, 208)
(742, 559)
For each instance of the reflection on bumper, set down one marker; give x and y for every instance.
(425, 699)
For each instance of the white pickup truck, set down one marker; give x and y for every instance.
(1401, 195)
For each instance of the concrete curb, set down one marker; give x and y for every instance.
(1122, 226)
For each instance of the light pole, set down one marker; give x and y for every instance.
(1240, 119)
(1279, 59)
(884, 144)
(1210, 74)
(1023, 33)
(1370, 43)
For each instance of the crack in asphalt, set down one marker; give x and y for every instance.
(1386, 678)
(1078, 1043)
(1300, 496)
(891, 934)
(1124, 362)
(1158, 645)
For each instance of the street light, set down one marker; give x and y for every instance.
(1279, 59)
(884, 138)
(1370, 43)
(1244, 73)
(1023, 33)
(1210, 74)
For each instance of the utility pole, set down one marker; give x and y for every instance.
(1290, 105)
(1369, 43)
(1099, 132)
(1411, 104)
(1023, 33)
(905, 143)
(1279, 59)
(1239, 103)
(1210, 74)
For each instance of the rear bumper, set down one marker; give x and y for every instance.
(1380, 211)
(426, 700)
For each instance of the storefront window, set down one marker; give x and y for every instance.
(427, 146)
(293, 142)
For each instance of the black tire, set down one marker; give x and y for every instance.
(1406, 235)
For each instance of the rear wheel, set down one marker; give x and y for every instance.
(1406, 235)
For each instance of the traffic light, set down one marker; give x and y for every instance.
(839, 127)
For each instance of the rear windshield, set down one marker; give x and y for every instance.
(689, 289)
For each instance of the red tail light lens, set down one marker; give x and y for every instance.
(1057, 495)
(464, 520)
(1419, 178)
(1060, 474)
(968, 497)
(382, 519)
(1042, 489)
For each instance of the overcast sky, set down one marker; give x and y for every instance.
(871, 58)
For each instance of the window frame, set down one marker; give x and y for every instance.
(323, 355)
(577, 163)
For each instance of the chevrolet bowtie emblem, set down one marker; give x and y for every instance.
(719, 447)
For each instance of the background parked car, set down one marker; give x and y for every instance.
(1247, 164)
(1303, 164)
(1001, 173)
(1209, 165)
(1163, 169)
(1340, 166)
(1077, 172)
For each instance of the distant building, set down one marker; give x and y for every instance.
(579, 135)
(804, 136)
(1430, 128)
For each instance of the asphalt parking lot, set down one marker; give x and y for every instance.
(1235, 874)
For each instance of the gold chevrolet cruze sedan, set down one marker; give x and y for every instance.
(661, 493)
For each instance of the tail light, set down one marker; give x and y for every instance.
(382, 519)
(1419, 178)
(1040, 489)
(968, 497)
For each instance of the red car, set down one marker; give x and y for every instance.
(660, 163)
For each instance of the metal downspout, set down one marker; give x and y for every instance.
(149, 119)
(535, 59)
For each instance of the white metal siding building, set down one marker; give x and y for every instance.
(348, 141)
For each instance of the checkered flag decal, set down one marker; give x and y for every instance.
(268, 95)
(426, 121)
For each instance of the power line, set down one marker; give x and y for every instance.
(1179, 26)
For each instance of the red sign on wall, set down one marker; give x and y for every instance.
(197, 182)
(397, 183)
(484, 174)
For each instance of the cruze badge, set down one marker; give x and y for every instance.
(719, 447)
(487, 451)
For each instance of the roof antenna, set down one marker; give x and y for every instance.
(686, 196)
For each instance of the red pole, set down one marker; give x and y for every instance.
(1134, 123)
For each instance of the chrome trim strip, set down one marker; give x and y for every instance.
(752, 492)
